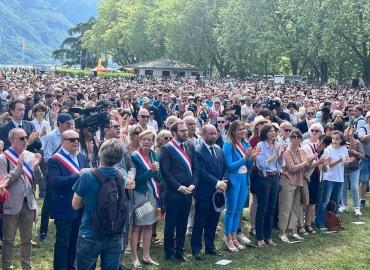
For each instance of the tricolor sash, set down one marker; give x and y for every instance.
(184, 157)
(241, 149)
(13, 158)
(67, 161)
(153, 183)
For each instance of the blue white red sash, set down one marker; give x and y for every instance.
(67, 162)
(185, 159)
(153, 183)
(13, 158)
(241, 149)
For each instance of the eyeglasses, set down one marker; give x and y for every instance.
(167, 138)
(315, 131)
(144, 116)
(137, 132)
(115, 126)
(310, 113)
(72, 140)
(22, 138)
(287, 130)
(220, 122)
(295, 137)
(56, 105)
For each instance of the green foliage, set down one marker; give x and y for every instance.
(318, 38)
(82, 72)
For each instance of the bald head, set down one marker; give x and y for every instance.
(71, 141)
(209, 133)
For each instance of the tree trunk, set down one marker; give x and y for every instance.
(366, 74)
(324, 72)
(294, 65)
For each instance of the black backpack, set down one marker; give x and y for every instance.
(111, 214)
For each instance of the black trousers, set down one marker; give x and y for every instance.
(177, 212)
(266, 190)
(205, 223)
(45, 212)
(65, 243)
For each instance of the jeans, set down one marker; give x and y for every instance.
(330, 191)
(352, 177)
(109, 248)
(45, 212)
(266, 190)
(236, 195)
(65, 243)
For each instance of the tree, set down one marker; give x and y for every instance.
(71, 51)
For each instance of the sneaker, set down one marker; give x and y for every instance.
(322, 229)
(357, 211)
(284, 238)
(243, 239)
(342, 208)
(362, 203)
(296, 236)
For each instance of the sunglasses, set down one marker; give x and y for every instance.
(220, 122)
(137, 132)
(287, 130)
(295, 137)
(22, 138)
(115, 126)
(168, 138)
(315, 130)
(144, 116)
(310, 113)
(56, 105)
(72, 140)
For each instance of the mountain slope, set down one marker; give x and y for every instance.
(30, 30)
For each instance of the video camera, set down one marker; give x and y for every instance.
(92, 118)
(272, 104)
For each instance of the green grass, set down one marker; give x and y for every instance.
(348, 249)
(81, 72)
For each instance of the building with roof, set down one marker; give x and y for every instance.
(163, 67)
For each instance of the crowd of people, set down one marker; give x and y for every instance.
(181, 150)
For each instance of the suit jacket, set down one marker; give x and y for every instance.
(61, 181)
(15, 187)
(174, 172)
(302, 126)
(27, 126)
(211, 170)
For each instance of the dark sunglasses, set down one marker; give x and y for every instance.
(287, 130)
(315, 130)
(72, 140)
(144, 116)
(56, 104)
(22, 138)
(115, 126)
(137, 132)
(168, 138)
(310, 113)
(221, 122)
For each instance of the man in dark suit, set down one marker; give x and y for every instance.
(16, 112)
(63, 172)
(304, 124)
(212, 178)
(179, 168)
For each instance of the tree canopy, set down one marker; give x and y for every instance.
(316, 38)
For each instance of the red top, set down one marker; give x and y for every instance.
(5, 196)
(254, 140)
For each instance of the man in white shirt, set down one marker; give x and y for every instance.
(246, 109)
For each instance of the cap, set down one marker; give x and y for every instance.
(65, 117)
(218, 200)
(192, 107)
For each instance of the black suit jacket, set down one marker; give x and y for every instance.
(211, 170)
(61, 181)
(27, 126)
(174, 173)
(302, 126)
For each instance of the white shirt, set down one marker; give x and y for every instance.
(246, 110)
(39, 126)
(335, 173)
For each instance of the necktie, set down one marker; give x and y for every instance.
(20, 126)
(182, 147)
(213, 153)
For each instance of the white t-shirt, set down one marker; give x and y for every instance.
(246, 110)
(336, 173)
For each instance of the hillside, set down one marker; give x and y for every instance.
(30, 30)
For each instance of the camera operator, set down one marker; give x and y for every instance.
(278, 114)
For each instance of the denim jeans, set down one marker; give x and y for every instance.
(109, 248)
(352, 177)
(330, 191)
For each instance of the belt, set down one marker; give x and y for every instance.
(268, 173)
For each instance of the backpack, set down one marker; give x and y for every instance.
(111, 214)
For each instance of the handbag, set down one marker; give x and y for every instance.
(144, 209)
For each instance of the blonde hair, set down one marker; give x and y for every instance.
(146, 132)
(160, 135)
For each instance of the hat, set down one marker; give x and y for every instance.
(192, 107)
(145, 100)
(367, 115)
(259, 119)
(65, 117)
(218, 201)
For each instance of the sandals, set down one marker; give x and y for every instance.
(238, 245)
(310, 230)
(150, 261)
(156, 241)
(270, 243)
(230, 246)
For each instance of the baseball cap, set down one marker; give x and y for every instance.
(65, 117)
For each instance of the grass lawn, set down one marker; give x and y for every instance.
(348, 249)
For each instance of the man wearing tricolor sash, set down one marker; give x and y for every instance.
(22, 169)
(62, 173)
(179, 168)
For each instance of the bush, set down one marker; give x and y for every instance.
(81, 72)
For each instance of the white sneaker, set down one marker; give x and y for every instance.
(297, 236)
(284, 238)
(357, 211)
(342, 208)
(243, 239)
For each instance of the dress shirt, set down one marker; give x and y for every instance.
(50, 143)
(266, 152)
(39, 126)
(73, 157)
(17, 124)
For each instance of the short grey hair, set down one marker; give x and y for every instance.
(12, 132)
(111, 152)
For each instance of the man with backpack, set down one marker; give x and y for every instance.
(62, 173)
(102, 194)
(364, 137)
